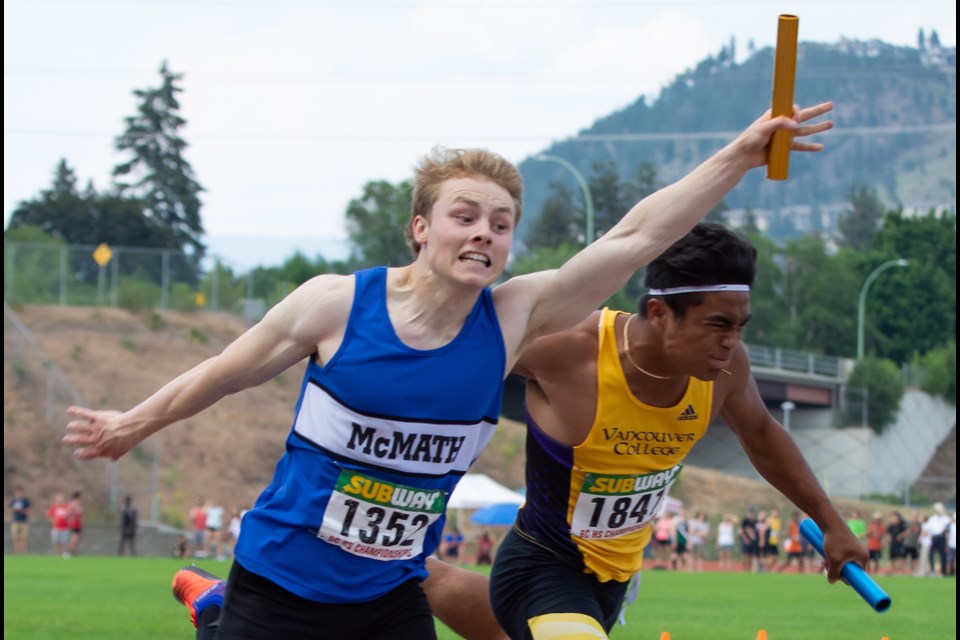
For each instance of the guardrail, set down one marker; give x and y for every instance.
(795, 361)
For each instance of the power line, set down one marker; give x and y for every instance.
(674, 136)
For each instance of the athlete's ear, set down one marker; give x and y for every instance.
(657, 312)
(418, 228)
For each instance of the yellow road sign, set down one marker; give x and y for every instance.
(102, 254)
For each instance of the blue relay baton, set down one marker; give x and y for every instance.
(851, 572)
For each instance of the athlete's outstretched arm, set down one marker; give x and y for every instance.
(776, 456)
(310, 320)
(555, 300)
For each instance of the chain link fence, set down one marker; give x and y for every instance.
(130, 278)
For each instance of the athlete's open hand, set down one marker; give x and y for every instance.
(98, 434)
(754, 142)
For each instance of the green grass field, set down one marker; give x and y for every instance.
(99, 598)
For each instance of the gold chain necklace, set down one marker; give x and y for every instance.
(626, 347)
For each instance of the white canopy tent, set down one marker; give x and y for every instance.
(477, 490)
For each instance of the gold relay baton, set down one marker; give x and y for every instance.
(784, 74)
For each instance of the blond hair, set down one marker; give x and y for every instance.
(443, 164)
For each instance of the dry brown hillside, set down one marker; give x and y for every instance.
(115, 358)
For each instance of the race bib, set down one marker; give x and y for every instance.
(613, 506)
(378, 519)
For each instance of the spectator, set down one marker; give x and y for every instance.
(663, 534)
(875, 534)
(771, 555)
(911, 544)
(213, 547)
(74, 523)
(59, 529)
(749, 541)
(793, 544)
(699, 534)
(681, 539)
(181, 549)
(726, 537)
(896, 532)
(19, 519)
(938, 524)
(924, 562)
(952, 547)
(857, 525)
(484, 549)
(234, 526)
(452, 542)
(198, 527)
(128, 527)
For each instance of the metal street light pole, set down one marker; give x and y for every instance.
(587, 198)
(899, 262)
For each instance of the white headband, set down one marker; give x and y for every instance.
(696, 289)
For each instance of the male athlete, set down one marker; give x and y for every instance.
(614, 405)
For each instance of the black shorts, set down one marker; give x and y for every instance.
(255, 608)
(528, 581)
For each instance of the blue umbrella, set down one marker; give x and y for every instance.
(496, 515)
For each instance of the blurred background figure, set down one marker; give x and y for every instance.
(699, 534)
(213, 543)
(726, 538)
(74, 523)
(939, 525)
(896, 532)
(19, 519)
(911, 544)
(59, 530)
(197, 517)
(129, 520)
(875, 535)
(181, 549)
(452, 541)
(793, 544)
(484, 549)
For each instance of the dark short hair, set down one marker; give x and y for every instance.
(708, 254)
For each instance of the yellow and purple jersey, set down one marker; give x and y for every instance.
(593, 504)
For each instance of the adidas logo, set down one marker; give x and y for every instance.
(688, 414)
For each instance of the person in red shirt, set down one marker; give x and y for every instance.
(875, 534)
(74, 523)
(59, 528)
(198, 526)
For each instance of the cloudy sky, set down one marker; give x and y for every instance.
(292, 105)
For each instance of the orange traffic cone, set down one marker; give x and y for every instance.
(665, 635)
(761, 635)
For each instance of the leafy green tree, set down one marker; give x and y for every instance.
(375, 224)
(913, 309)
(941, 372)
(858, 224)
(881, 378)
(769, 317)
(157, 173)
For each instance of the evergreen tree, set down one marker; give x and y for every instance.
(859, 223)
(558, 223)
(157, 172)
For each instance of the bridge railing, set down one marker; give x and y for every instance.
(795, 361)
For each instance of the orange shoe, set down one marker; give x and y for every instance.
(197, 590)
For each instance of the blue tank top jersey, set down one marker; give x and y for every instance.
(381, 436)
